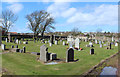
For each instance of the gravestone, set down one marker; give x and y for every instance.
(70, 39)
(50, 44)
(25, 42)
(63, 42)
(3, 46)
(96, 41)
(116, 44)
(53, 56)
(86, 40)
(100, 45)
(110, 45)
(17, 41)
(100, 42)
(70, 55)
(90, 44)
(16, 46)
(52, 39)
(21, 51)
(43, 53)
(12, 46)
(112, 39)
(77, 41)
(6, 40)
(91, 51)
(70, 44)
(24, 49)
(56, 42)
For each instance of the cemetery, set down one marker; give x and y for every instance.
(58, 38)
(62, 55)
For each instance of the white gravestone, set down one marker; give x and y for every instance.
(116, 44)
(6, 40)
(112, 39)
(17, 41)
(77, 43)
(63, 42)
(100, 45)
(55, 42)
(50, 44)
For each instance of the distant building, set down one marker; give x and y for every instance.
(13, 33)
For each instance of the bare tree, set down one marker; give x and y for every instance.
(39, 22)
(9, 19)
(75, 31)
(47, 26)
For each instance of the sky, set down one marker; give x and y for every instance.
(86, 16)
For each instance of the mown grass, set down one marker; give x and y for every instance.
(26, 64)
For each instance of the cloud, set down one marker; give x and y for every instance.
(15, 7)
(102, 15)
(60, 0)
(69, 12)
(57, 8)
(10, 1)
(76, 0)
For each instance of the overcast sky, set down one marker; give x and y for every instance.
(86, 16)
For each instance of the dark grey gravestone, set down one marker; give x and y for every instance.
(53, 56)
(110, 45)
(24, 49)
(70, 55)
(91, 51)
(12, 46)
(43, 53)
(52, 39)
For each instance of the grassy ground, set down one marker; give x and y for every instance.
(113, 62)
(26, 64)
